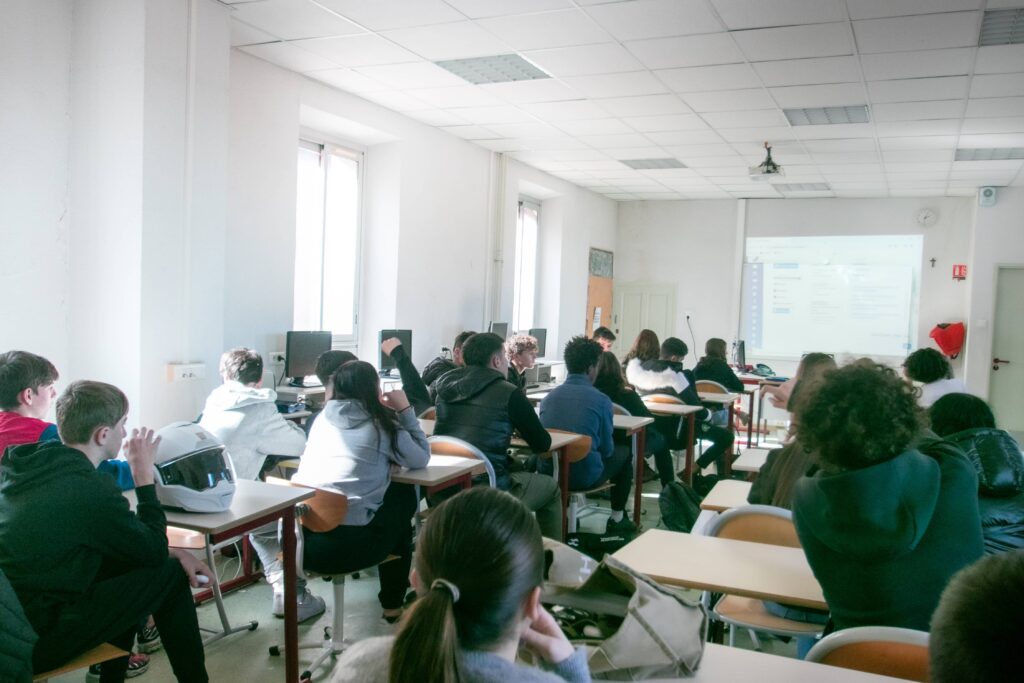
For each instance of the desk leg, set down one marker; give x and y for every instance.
(563, 485)
(639, 448)
(750, 420)
(760, 412)
(291, 621)
(691, 420)
(731, 453)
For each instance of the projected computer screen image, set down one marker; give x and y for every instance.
(301, 351)
(836, 294)
(386, 361)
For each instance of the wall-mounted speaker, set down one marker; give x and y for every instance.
(986, 196)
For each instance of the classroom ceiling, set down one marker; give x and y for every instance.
(701, 81)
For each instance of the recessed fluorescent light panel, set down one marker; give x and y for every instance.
(653, 164)
(493, 69)
(990, 154)
(802, 187)
(821, 116)
(1002, 27)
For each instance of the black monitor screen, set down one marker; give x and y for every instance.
(741, 353)
(387, 362)
(541, 335)
(500, 329)
(301, 351)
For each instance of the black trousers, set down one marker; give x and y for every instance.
(110, 613)
(347, 549)
(618, 469)
(721, 440)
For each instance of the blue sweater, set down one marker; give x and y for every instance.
(576, 406)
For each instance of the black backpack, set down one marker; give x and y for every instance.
(680, 506)
(597, 545)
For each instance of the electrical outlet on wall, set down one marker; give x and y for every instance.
(183, 372)
(277, 357)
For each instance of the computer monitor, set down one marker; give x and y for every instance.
(500, 329)
(541, 335)
(387, 363)
(301, 351)
(741, 354)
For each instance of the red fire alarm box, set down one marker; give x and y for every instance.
(960, 271)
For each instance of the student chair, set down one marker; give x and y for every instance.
(429, 414)
(578, 506)
(323, 512)
(672, 400)
(883, 650)
(97, 655)
(756, 524)
(449, 445)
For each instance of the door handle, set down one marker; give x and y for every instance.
(996, 362)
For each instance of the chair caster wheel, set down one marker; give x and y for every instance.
(275, 651)
(253, 625)
(306, 677)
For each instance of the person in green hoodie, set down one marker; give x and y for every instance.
(85, 568)
(883, 524)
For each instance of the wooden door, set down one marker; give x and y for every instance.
(599, 291)
(1006, 377)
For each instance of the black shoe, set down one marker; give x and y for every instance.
(623, 526)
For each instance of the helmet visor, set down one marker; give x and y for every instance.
(198, 470)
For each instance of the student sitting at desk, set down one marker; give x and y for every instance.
(576, 406)
(604, 337)
(522, 355)
(327, 363)
(244, 417)
(646, 347)
(476, 404)
(361, 433)
(933, 371)
(85, 568)
(412, 384)
(479, 572)
(441, 365)
(884, 526)
(667, 376)
(714, 367)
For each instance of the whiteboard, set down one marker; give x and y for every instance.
(836, 294)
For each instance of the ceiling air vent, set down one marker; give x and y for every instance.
(821, 116)
(652, 164)
(1002, 27)
(990, 154)
(493, 69)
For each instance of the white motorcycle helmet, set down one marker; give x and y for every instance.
(193, 469)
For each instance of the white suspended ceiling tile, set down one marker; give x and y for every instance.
(607, 142)
(771, 133)
(918, 89)
(457, 96)
(595, 127)
(584, 60)
(411, 75)
(396, 100)
(650, 124)
(851, 145)
(835, 131)
(437, 117)
(532, 129)
(872, 9)
(649, 105)
(909, 167)
(810, 71)
(522, 92)
(795, 42)
(616, 85)
(997, 59)
(495, 114)
(826, 159)
(918, 142)
(470, 132)
(686, 137)
(458, 40)
(288, 56)
(478, 9)
(502, 145)
(655, 18)
(293, 19)
(916, 111)
(348, 80)
(925, 32)
(1006, 166)
(978, 141)
(707, 152)
(998, 85)
(996, 106)
(916, 192)
(708, 78)
(702, 50)
(746, 118)
(574, 155)
(728, 100)
(930, 127)
(548, 142)
(829, 95)
(993, 125)
(917, 64)
(382, 15)
(243, 34)
(606, 165)
(565, 111)
(364, 49)
(742, 14)
(550, 29)
(918, 155)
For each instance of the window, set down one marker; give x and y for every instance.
(327, 240)
(526, 265)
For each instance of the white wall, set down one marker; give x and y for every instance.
(998, 241)
(35, 63)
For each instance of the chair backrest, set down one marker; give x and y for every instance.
(323, 512)
(663, 398)
(449, 445)
(578, 449)
(619, 410)
(429, 414)
(708, 386)
(883, 650)
(756, 524)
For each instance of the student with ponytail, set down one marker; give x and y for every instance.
(478, 573)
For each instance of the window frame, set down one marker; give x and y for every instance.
(536, 205)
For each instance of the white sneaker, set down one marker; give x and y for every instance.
(308, 605)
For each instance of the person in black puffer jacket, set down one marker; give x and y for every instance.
(968, 422)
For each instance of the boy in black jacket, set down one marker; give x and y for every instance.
(85, 568)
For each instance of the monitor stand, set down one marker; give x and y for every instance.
(297, 382)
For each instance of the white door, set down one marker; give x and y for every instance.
(1006, 377)
(642, 306)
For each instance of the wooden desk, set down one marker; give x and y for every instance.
(727, 494)
(441, 469)
(256, 504)
(720, 399)
(722, 663)
(635, 426)
(751, 460)
(722, 565)
(680, 410)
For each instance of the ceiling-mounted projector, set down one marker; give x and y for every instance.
(767, 169)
